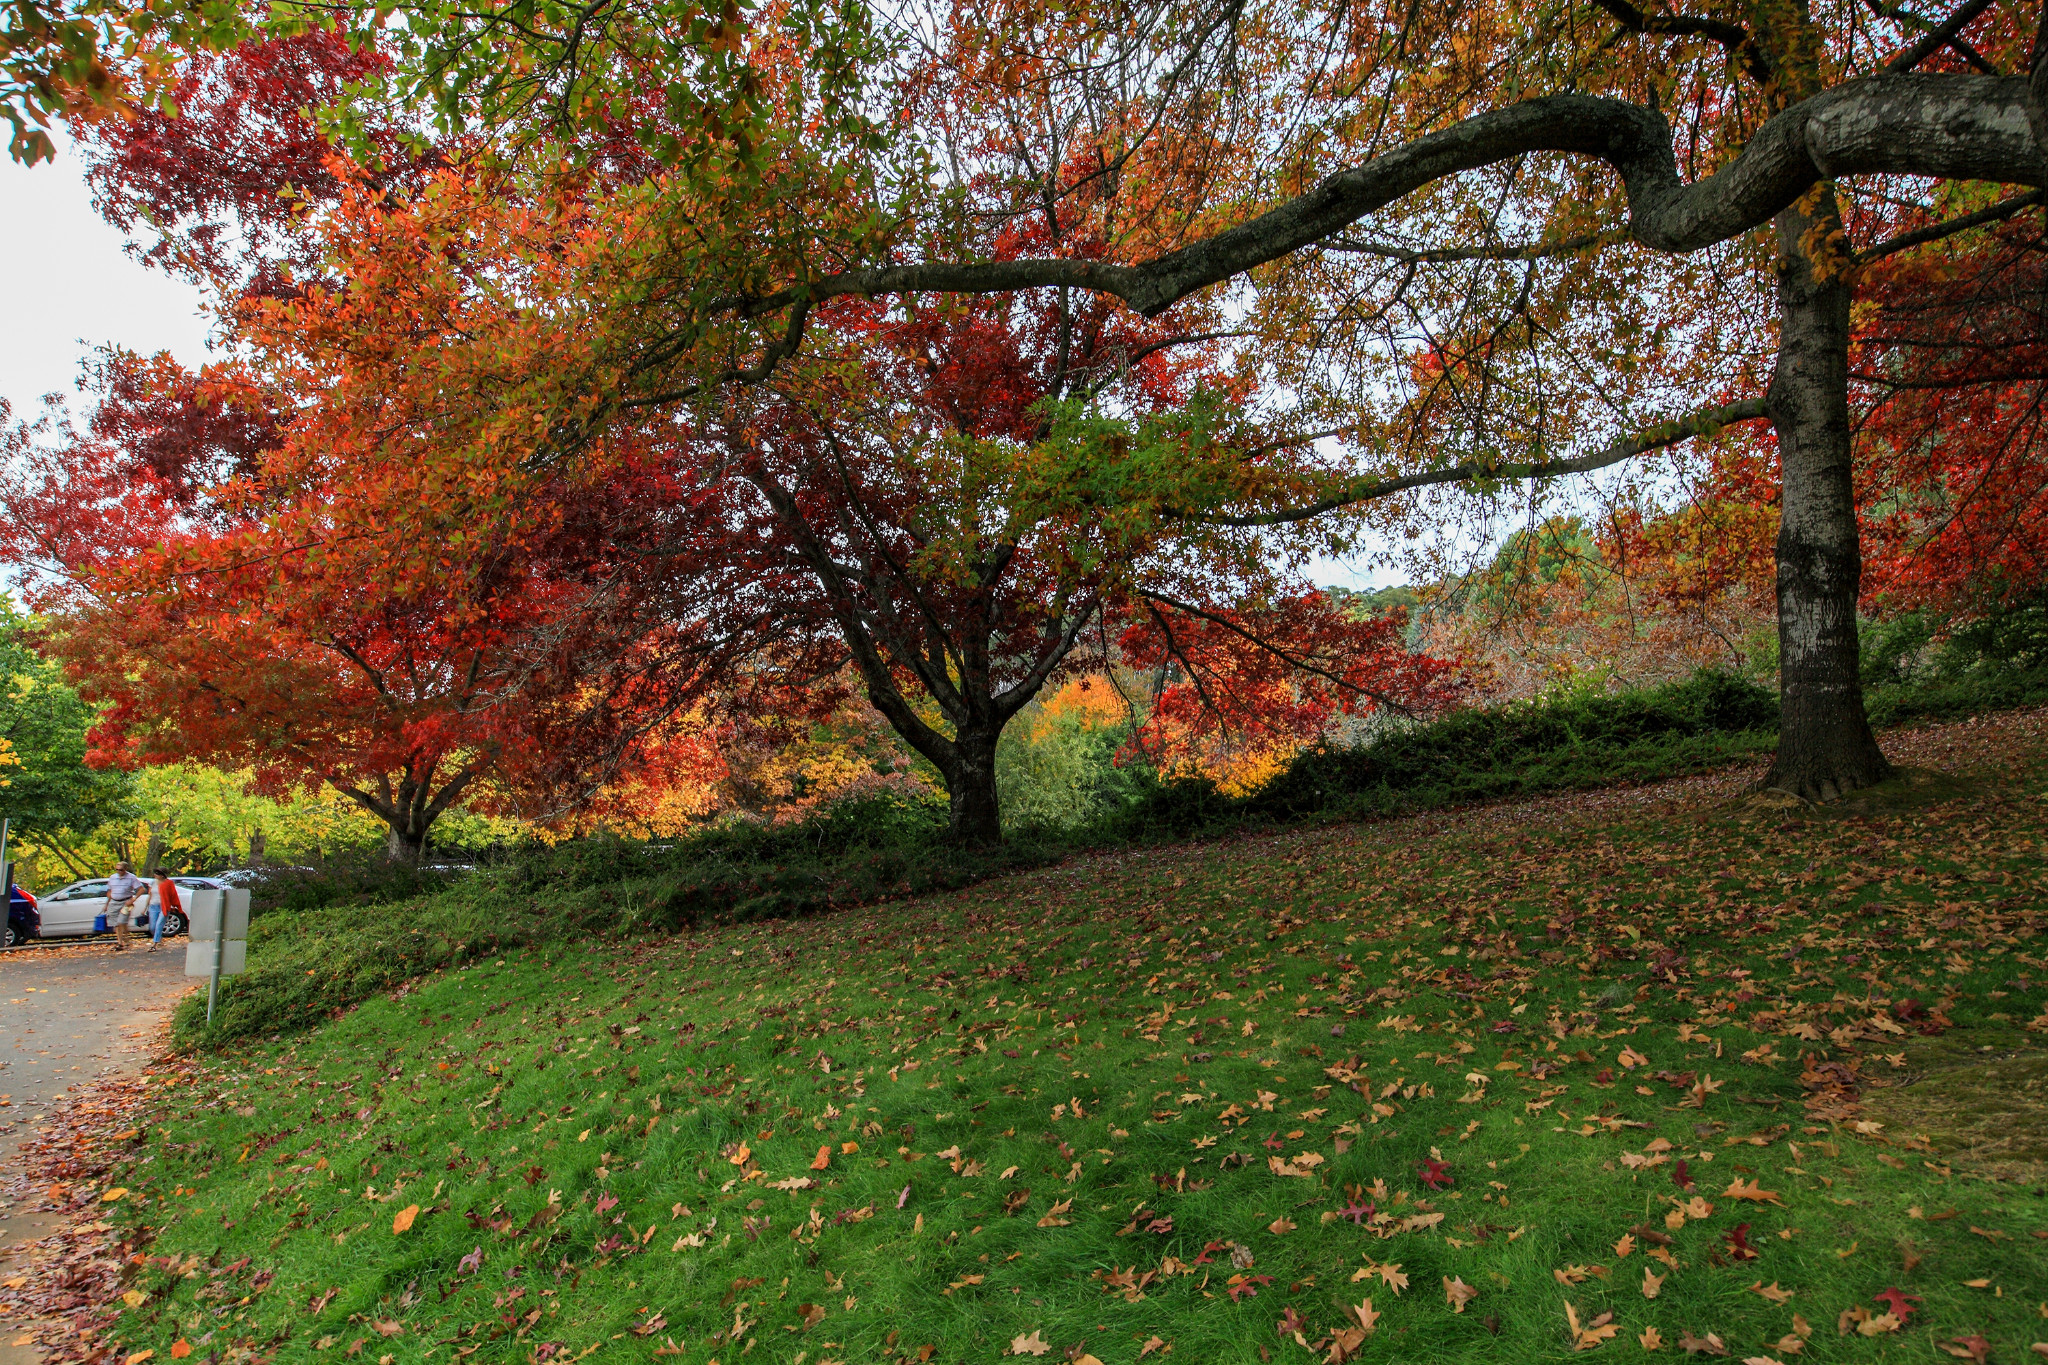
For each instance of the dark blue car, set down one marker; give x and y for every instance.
(24, 919)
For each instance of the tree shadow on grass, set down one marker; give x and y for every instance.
(1984, 1105)
(1910, 792)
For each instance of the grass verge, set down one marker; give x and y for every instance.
(1472, 1080)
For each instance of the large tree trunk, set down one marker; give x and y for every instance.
(976, 815)
(1825, 747)
(404, 846)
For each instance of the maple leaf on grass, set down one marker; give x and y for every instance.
(1246, 1286)
(1457, 1293)
(1435, 1174)
(1029, 1344)
(1739, 1189)
(1968, 1348)
(1584, 1338)
(1899, 1302)
(1650, 1339)
(1708, 1345)
(1737, 1239)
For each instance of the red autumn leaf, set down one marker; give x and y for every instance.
(1247, 1287)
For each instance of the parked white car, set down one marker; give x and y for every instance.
(74, 910)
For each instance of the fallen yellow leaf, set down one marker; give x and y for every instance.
(404, 1218)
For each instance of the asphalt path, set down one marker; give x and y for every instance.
(70, 1013)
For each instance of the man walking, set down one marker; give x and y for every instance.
(122, 889)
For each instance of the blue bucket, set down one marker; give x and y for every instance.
(99, 924)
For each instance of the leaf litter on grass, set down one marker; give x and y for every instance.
(1227, 1079)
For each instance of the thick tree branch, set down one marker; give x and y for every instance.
(1950, 127)
(1372, 487)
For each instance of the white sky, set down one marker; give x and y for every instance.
(71, 287)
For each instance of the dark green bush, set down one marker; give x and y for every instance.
(1894, 650)
(2009, 636)
(368, 880)
(1489, 752)
(1993, 661)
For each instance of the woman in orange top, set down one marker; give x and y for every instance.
(166, 901)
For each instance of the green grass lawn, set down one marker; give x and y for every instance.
(1687, 1076)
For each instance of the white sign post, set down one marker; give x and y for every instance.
(218, 925)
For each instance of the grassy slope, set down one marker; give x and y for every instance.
(1486, 977)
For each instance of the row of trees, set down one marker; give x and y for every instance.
(707, 363)
(68, 819)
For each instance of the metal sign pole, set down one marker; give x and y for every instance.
(220, 934)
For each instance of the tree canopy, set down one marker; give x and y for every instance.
(685, 354)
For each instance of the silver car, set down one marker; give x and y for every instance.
(75, 910)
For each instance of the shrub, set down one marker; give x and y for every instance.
(368, 880)
(1482, 753)
(1059, 772)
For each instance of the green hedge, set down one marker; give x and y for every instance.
(1490, 752)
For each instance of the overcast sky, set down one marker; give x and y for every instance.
(71, 287)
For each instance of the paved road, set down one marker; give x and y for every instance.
(70, 1014)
